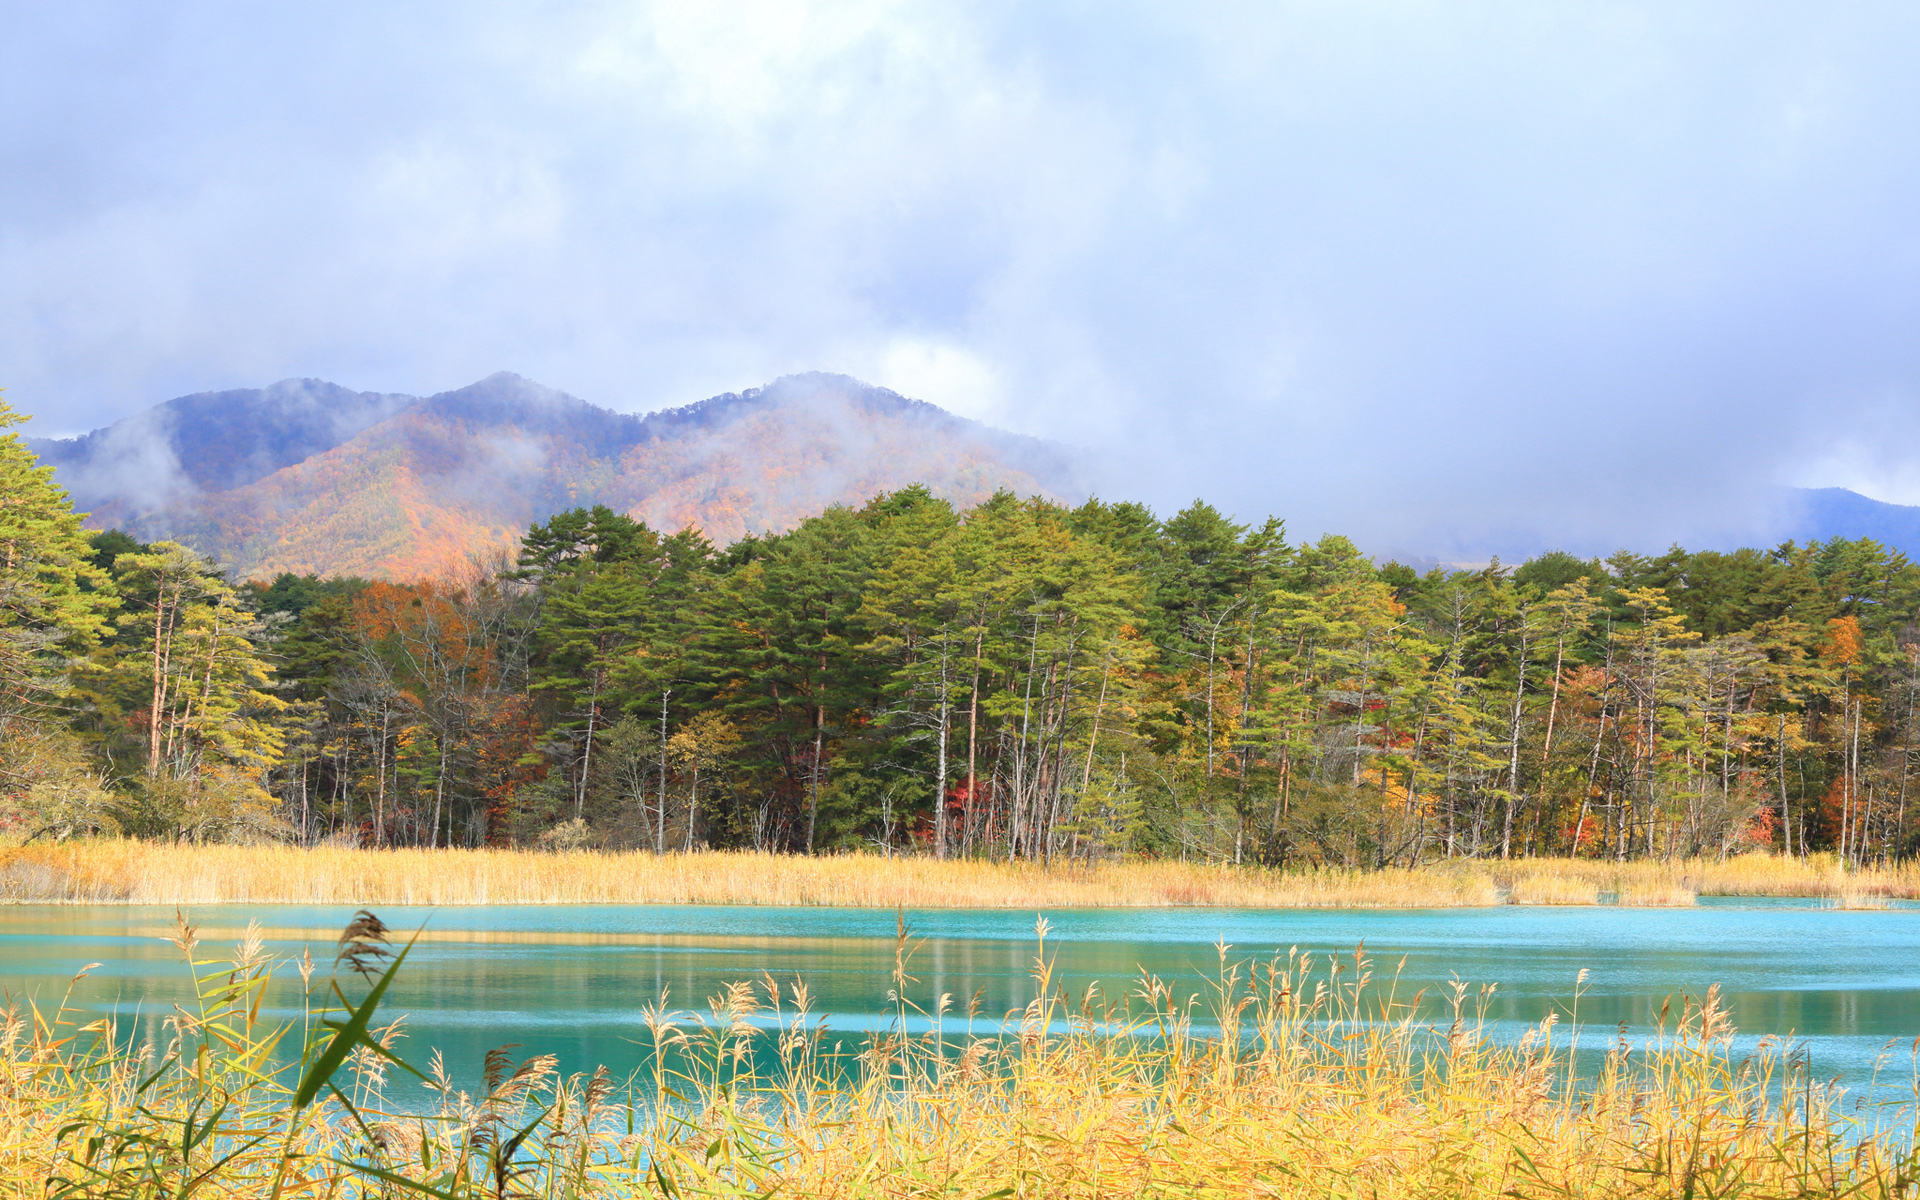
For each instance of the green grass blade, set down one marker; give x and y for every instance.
(349, 1034)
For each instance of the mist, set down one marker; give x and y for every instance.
(1453, 279)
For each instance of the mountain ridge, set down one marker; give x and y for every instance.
(306, 475)
(259, 430)
(406, 486)
(1822, 513)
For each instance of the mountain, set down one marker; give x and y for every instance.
(307, 476)
(1816, 514)
(210, 441)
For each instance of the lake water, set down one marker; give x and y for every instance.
(570, 980)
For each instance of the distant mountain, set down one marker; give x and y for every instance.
(210, 441)
(307, 476)
(1817, 514)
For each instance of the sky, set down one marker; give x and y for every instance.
(1451, 278)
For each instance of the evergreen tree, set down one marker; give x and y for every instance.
(54, 601)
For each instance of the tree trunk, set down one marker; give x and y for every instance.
(380, 792)
(660, 818)
(940, 768)
(1786, 818)
(973, 732)
(439, 795)
(1018, 812)
(162, 647)
(813, 795)
(586, 751)
(1513, 738)
(693, 802)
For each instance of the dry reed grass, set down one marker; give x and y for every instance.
(1678, 883)
(155, 873)
(132, 872)
(1297, 1079)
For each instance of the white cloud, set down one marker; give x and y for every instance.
(952, 377)
(1874, 455)
(1411, 271)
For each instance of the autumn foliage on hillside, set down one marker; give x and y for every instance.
(443, 485)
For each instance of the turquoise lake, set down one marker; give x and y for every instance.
(571, 980)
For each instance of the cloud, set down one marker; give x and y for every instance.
(951, 376)
(131, 463)
(1874, 454)
(1453, 278)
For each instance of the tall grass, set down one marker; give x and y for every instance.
(1681, 881)
(158, 873)
(1288, 1078)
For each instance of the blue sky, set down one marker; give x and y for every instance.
(1445, 276)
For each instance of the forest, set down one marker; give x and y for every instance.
(1019, 680)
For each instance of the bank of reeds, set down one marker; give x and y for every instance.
(133, 872)
(1681, 881)
(157, 873)
(1289, 1078)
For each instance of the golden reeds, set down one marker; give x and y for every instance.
(1289, 1078)
(1681, 881)
(157, 873)
(132, 872)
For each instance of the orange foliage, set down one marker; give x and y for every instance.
(1832, 809)
(505, 730)
(1579, 682)
(1844, 641)
(423, 494)
(1584, 835)
(429, 616)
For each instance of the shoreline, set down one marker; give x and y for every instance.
(126, 872)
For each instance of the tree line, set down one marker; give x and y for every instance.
(1022, 679)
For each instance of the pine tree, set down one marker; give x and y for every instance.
(912, 619)
(192, 674)
(54, 602)
(590, 624)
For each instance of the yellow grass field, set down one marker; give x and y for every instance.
(130, 872)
